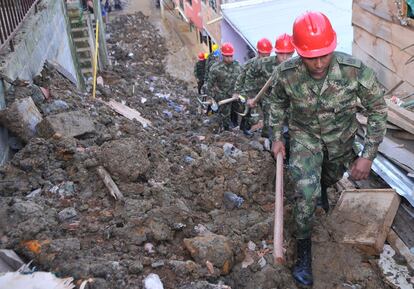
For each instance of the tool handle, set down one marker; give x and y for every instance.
(278, 224)
(227, 100)
(260, 94)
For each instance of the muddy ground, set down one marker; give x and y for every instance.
(173, 220)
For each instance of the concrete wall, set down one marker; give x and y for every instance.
(43, 36)
(240, 46)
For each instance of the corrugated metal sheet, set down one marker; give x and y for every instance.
(255, 19)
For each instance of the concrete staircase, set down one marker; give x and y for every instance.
(81, 39)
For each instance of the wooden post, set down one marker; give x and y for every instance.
(278, 225)
(103, 52)
(95, 60)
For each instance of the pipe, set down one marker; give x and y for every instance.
(278, 224)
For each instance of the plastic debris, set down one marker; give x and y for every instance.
(149, 248)
(167, 113)
(232, 200)
(153, 281)
(16, 280)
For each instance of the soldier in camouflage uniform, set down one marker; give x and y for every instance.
(320, 90)
(213, 57)
(264, 48)
(199, 70)
(261, 70)
(221, 80)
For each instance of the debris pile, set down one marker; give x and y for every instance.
(176, 225)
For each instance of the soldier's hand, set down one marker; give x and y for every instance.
(278, 147)
(251, 103)
(360, 169)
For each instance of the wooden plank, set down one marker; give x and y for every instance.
(128, 112)
(385, 76)
(398, 245)
(400, 36)
(364, 217)
(404, 224)
(382, 8)
(400, 116)
(387, 54)
(397, 154)
(402, 135)
(110, 184)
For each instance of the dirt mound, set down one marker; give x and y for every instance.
(56, 210)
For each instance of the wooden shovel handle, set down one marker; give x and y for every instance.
(278, 224)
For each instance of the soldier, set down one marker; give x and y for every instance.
(264, 48)
(260, 72)
(221, 80)
(211, 59)
(321, 88)
(199, 69)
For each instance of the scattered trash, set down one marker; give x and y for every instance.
(17, 280)
(188, 159)
(210, 267)
(67, 214)
(149, 248)
(167, 113)
(178, 226)
(99, 80)
(158, 264)
(153, 281)
(232, 200)
(34, 193)
(231, 151)
(262, 262)
(162, 95)
(130, 55)
(143, 100)
(251, 246)
(267, 144)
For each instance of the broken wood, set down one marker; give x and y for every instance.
(127, 112)
(364, 217)
(398, 154)
(403, 135)
(398, 245)
(110, 184)
(400, 119)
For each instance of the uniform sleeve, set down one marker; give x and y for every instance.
(372, 98)
(207, 70)
(278, 104)
(240, 80)
(211, 79)
(250, 86)
(196, 70)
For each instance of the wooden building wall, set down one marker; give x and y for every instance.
(384, 40)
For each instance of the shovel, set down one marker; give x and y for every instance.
(215, 105)
(257, 98)
(278, 225)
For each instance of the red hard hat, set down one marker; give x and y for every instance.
(313, 35)
(201, 56)
(227, 49)
(264, 46)
(284, 44)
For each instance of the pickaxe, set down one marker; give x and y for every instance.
(253, 102)
(215, 105)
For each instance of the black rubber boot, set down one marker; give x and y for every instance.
(302, 272)
(324, 198)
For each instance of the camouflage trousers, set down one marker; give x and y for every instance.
(307, 170)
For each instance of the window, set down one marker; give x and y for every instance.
(213, 4)
(190, 2)
(182, 4)
(405, 11)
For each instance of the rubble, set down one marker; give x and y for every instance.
(172, 175)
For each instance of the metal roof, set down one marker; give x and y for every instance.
(254, 19)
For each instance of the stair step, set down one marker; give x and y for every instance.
(87, 70)
(83, 49)
(79, 29)
(80, 39)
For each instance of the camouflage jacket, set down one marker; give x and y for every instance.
(199, 69)
(211, 59)
(221, 79)
(328, 115)
(258, 74)
(242, 76)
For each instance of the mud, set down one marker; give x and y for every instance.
(173, 177)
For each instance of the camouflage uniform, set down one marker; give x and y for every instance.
(199, 71)
(211, 59)
(220, 85)
(256, 77)
(245, 123)
(322, 125)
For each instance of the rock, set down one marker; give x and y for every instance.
(55, 106)
(66, 124)
(64, 247)
(231, 151)
(232, 200)
(183, 268)
(66, 214)
(21, 118)
(160, 231)
(214, 248)
(136, 268)
(256, 145)
(125, 159)
(158, 264)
